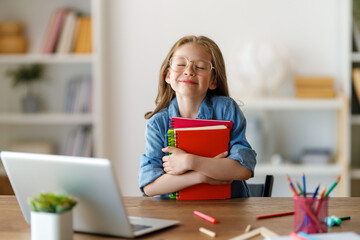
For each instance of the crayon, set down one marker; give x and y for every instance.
(207, 232)
(206, 217)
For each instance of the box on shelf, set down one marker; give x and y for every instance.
(315, 156)
(314, 87)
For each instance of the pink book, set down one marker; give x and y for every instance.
(49, 31)
(179, 122)
(56, 30)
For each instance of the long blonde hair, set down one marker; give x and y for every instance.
(166, 93)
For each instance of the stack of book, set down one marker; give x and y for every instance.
(79, 142)
(78, 95)
(314, 87)
(68, 32)
(207, 138)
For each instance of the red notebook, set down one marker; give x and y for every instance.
(203, 141)
(179, 122)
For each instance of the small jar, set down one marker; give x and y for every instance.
(12, 39)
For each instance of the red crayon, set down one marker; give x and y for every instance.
(206, 217)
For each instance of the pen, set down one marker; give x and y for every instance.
(206, 217)
(332, 186)
(275, 215)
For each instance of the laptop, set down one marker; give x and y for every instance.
(100, 208)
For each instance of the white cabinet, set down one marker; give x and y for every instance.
(52, 124)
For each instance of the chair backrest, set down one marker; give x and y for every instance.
(262, 190)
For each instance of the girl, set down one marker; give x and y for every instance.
(193, 84)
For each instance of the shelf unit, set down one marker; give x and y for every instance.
(265, 109)
(52, 123)
(354, 122)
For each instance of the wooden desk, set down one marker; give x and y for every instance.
(233, 216)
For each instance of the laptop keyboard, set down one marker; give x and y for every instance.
(137, 227)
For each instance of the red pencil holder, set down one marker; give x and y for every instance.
(310, 214)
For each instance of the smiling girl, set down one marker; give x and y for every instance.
(193, 84)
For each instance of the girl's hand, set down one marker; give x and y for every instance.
(177, 162)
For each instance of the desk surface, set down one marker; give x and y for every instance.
(233, 216)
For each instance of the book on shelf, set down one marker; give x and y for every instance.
(78, 95)
(79, 142)
(83, 39)
(53, 30)
(206, 141)
(68, 32)
(67, 36)
(356, 82)
(355, 105)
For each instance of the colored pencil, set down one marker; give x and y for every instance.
(275, 215)
(299, 187)
(316, 191)
(304, 184)
(292, 188)
(323, 192)
(332, 186)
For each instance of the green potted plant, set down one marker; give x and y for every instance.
(27, 75)
(51, 217)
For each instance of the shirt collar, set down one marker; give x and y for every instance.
(205, 111)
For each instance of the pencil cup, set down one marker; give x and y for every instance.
(310, 214)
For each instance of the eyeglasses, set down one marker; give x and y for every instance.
(180, 64)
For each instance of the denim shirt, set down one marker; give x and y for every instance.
(212, 107)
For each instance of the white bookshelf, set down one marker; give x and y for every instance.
(52, 122)
(279, 117)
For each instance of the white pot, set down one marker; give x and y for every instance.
(51, 226)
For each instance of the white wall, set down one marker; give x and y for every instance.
(139, 33)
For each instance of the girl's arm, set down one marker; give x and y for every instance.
(168, 183)
(220, 167)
